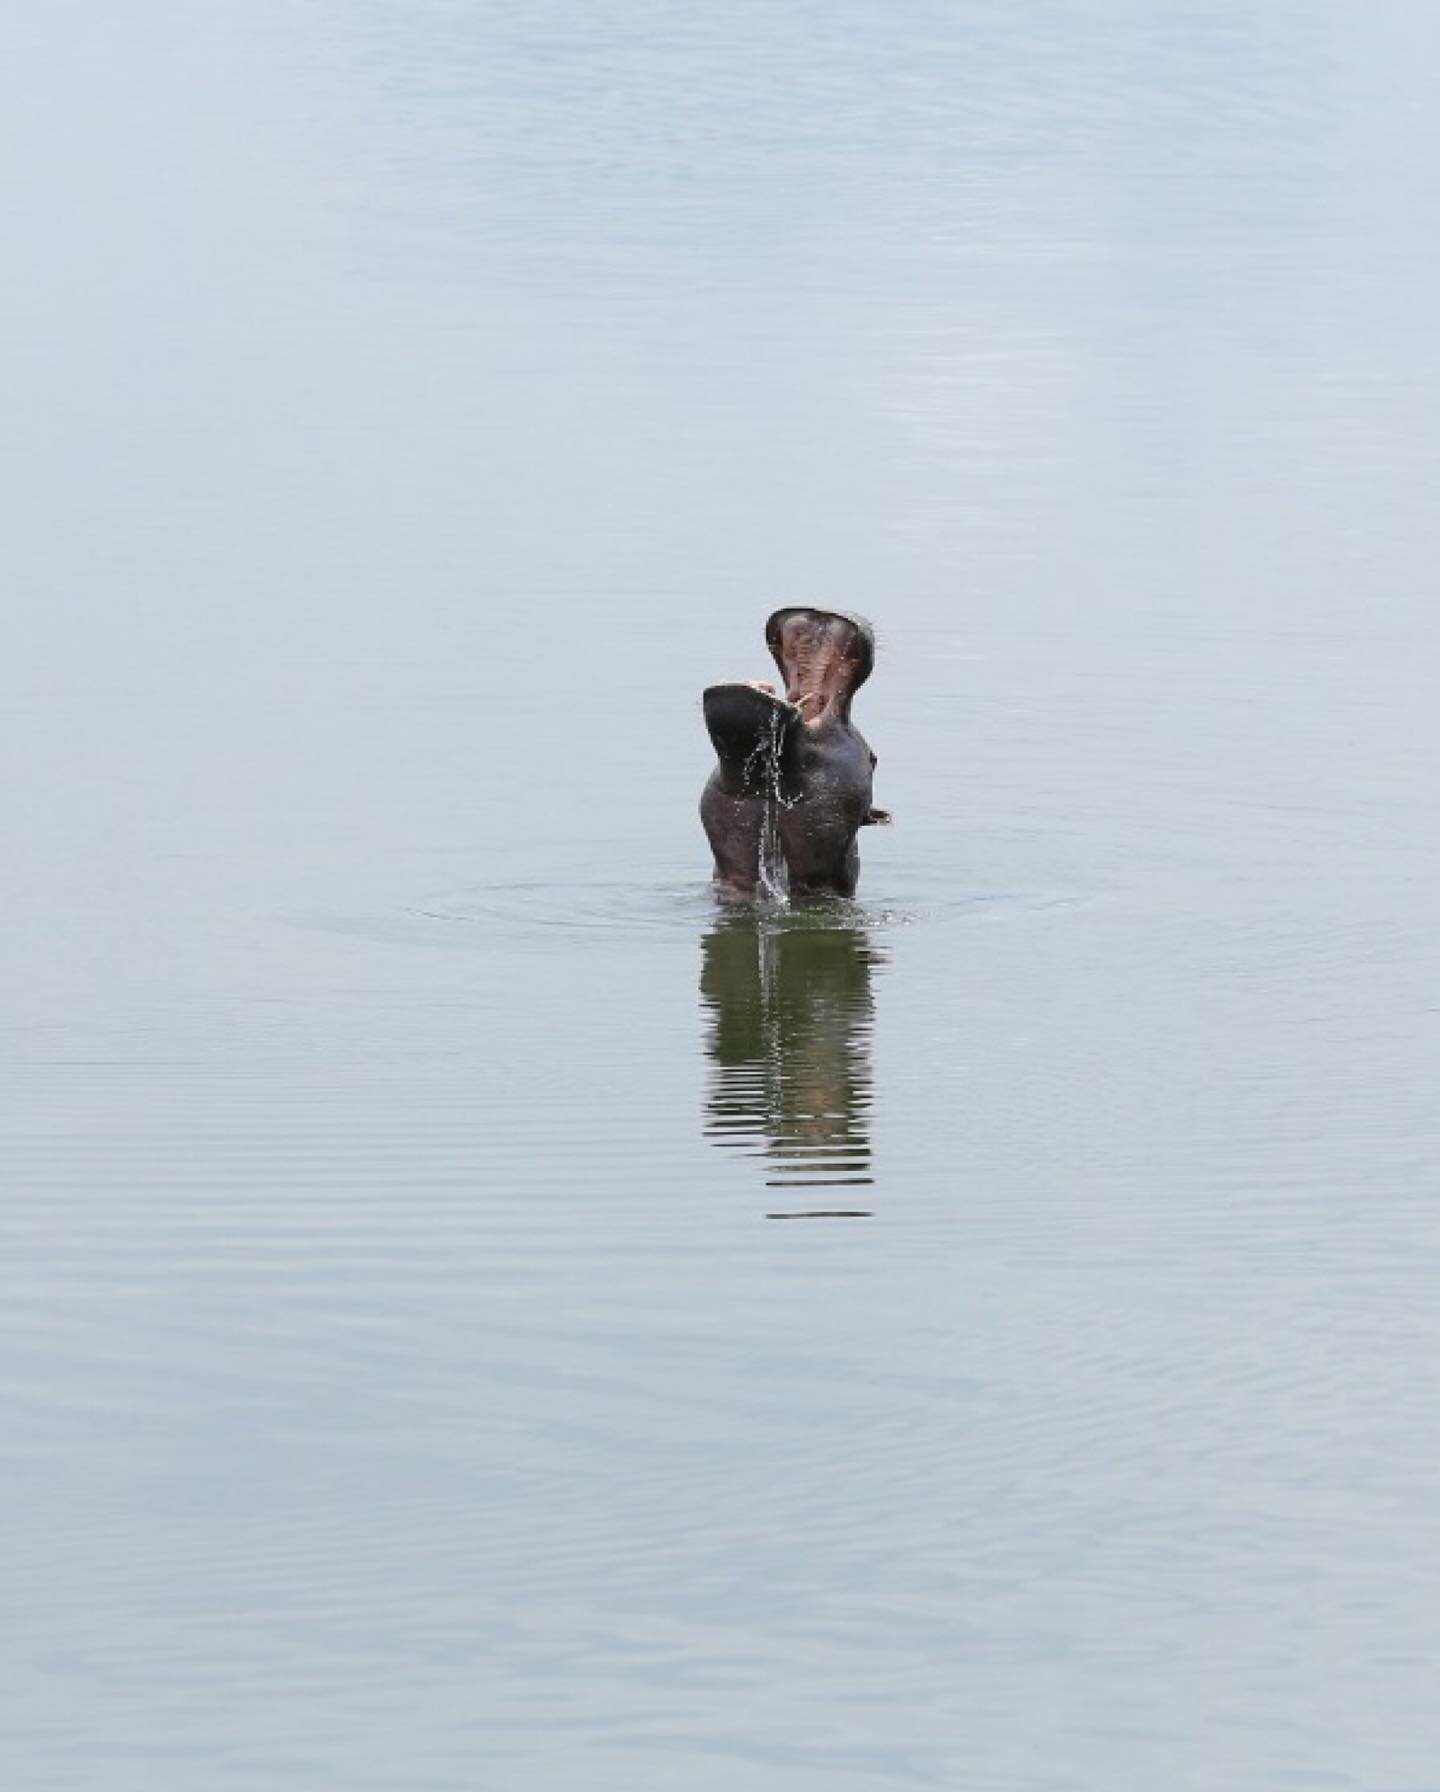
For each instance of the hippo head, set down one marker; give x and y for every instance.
(792, 786)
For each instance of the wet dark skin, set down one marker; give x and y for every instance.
(798, 757)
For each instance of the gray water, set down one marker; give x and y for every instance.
(406, 1384)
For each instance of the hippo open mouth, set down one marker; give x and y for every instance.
(824, 657)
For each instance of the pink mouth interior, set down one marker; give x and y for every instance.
(822, 658)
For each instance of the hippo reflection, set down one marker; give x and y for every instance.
(790, 1011)
(792, 787)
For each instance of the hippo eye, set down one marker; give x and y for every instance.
(874, 761)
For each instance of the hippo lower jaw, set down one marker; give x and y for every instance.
(753, 731)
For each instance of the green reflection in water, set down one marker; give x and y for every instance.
(791, 1012)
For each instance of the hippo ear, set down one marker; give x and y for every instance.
(877, 818)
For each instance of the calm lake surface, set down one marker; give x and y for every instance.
(416, 1372)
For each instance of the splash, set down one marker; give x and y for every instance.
(764, 765)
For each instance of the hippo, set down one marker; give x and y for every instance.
(793, 785)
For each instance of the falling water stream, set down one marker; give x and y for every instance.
(774, 872)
